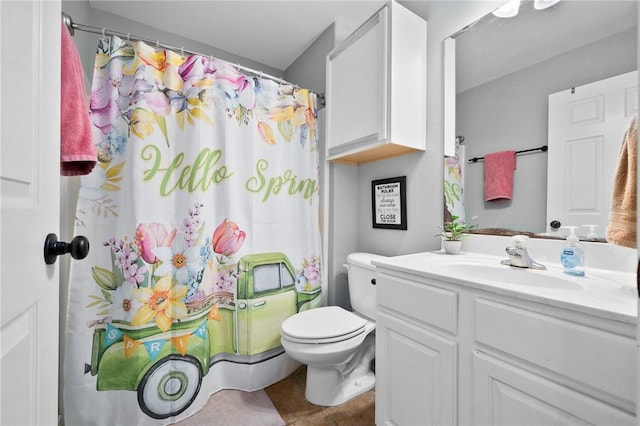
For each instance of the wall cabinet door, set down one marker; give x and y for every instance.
(506, 395)
(376, 89)
(357, 92)
(415, 374)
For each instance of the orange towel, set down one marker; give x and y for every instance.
(622, 218)
(498, 175)
(78, 154)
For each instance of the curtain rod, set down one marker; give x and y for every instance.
(72, 26)
(542, 148)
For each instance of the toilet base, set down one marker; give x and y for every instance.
(335, 385)
(326, 387)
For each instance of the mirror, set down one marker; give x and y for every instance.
(505, 69)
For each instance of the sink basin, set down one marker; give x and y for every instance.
(505, 274)
(488, 270)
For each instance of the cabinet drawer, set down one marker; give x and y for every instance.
(603, 360)
(432, 305)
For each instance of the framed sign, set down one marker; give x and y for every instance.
(389, 203)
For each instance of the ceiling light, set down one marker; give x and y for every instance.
(509, 9)
(543, 4)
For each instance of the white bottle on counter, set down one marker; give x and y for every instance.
(592, 235)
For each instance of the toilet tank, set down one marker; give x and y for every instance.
(362, 293)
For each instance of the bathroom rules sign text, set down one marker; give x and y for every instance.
(389, 203)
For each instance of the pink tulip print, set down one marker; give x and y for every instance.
(227, 238)
(150, 236)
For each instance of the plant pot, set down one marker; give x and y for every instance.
(452, 247)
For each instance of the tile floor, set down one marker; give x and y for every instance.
(288, 397)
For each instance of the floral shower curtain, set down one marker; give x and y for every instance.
(204, 226)
(453, 186)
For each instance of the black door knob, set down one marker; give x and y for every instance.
(79, 248)
(555, 224)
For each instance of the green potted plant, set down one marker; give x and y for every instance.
(452, 233)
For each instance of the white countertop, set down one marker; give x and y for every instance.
(605, 293)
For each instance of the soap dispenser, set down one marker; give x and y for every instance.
(572, 257)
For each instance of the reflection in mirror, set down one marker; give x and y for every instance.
(527, 82)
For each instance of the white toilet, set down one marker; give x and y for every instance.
(337, 345)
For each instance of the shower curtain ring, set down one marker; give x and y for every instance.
(182, 51)
(129, 36)
(157, 43)
(104, 35)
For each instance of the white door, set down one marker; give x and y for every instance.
(586, 127)
(29, 196)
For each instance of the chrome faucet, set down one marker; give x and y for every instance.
(519, 255)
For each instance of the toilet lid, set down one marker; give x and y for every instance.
(323, 325)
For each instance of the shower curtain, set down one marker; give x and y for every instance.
(453, 185)
(203, 220)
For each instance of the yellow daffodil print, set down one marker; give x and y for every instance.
(162, 303)
(163, 63)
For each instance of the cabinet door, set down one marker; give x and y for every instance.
(504, 394)
(357, 87)
(415, 375)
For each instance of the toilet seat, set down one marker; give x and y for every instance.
(323, 325)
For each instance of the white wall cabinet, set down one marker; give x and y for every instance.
(449, 354)
(376, 89)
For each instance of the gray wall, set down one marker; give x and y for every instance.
(512, 113)
(309, 70)
(424, 171)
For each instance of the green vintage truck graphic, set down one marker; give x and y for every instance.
(166, 368)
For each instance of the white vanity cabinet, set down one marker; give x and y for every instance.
(415, 365)
(376, 89)
(450, 354)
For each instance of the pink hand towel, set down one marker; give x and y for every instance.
(498, 175)
(78, 154)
